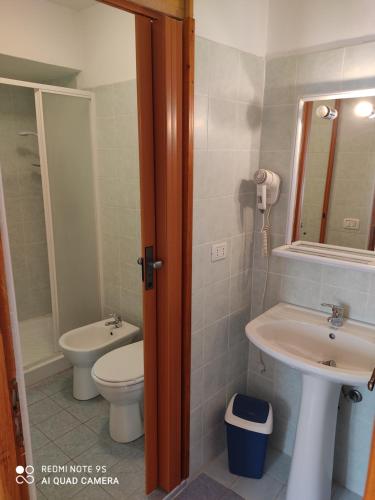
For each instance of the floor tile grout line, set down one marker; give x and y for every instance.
(55, 439)
(282, 486)
(50, 380)
(60, 448)
(37, 401)
(31, 432)
(68, 408)
(103, 439)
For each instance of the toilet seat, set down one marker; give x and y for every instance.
(122, 366)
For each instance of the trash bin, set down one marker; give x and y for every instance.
(249, 422)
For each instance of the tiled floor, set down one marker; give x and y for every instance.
(67, 431)
(271, 487)
(204, 487)
(70, 432)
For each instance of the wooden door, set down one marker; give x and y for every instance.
(143, 32)
(165, 85)
(159, 43)
(12, 451)
(167, 75)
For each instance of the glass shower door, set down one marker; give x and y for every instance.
(71, 214)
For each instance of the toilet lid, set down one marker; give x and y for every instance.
(124, 364)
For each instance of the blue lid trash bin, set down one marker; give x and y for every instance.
(249, 422)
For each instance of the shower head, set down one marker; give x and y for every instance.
(25, 133)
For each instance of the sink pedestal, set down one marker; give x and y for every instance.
(312, 463)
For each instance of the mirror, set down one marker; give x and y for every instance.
(334, 174)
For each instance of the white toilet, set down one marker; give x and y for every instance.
(118, 376)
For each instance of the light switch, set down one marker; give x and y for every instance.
(218, 251)
(350, 223)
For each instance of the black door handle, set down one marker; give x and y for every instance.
(148, 266)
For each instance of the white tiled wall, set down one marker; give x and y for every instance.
(303, 283)
(119, 198)
(229, 88)
(24, 202)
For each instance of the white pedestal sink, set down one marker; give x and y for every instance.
(302, 339)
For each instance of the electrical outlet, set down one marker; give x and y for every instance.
(218, 251)
(350, 223)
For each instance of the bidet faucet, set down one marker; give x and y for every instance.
(116, 322)
(337, 317)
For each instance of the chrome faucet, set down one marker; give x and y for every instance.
(337, 317)
(116, 321)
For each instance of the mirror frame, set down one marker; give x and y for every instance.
(306, 250)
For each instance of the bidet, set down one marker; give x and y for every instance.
(85, 345)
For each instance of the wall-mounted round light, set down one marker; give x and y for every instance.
(364, 109)
(326, 113)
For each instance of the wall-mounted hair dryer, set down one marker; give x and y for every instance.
(268, 187)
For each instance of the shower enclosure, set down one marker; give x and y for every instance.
(47, 161)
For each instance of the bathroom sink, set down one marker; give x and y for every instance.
(303, 339)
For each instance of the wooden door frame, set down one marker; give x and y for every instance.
(329, 174)
(306, 126)
(370, 482)
(187, 228)
(12, 450)
(371, 237)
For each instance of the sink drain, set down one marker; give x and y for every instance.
(330, 362)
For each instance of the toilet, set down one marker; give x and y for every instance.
(118, 376)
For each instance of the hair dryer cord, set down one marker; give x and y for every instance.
(266, 231)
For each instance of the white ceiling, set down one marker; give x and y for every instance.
(75, 4)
